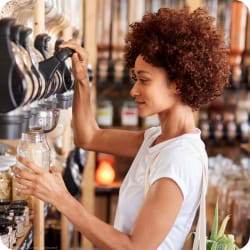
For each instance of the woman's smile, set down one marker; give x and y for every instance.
(140, 103)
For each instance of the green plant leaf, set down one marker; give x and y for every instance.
(229, 239)
(222, 246)
(209, 244)
(223, 227)
(214, 246)
(214, 231)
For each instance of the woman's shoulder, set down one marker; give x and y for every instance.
(152, 132)
(186, 148)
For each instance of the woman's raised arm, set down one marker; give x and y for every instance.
(87, 133)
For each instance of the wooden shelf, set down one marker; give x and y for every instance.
(108, 188)
(245, 147)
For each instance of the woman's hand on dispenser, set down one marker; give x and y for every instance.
(84, 123)
(79, 60)
(45, 185)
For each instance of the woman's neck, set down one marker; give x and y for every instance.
(176, 122)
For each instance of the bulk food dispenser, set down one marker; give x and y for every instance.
(34, 89)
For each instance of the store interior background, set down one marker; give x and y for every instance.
(101, 26)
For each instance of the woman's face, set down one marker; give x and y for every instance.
(152, 91)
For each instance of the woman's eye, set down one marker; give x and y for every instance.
(143, 81)
(134, 79)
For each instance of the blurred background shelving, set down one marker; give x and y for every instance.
(102, 25)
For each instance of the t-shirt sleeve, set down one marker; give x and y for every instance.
(182, 165)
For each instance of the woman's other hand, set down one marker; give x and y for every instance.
(45, 185)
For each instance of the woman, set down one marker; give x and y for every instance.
(178, 62)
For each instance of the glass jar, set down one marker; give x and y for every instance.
(12, 227)
(6, 162)
(19, 220)
(12, 232)
(6, 231)
(22, 204)
(4, 235)
(33, 146)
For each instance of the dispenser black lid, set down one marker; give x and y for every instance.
(5, 24)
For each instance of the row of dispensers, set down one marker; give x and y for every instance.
(36, 80)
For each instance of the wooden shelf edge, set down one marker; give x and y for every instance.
(245, 147)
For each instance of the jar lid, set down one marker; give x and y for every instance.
(19, 203)
(2, 213)
(4, 230)
(4, 202)
(5, 222)
(11, 211)
(6, 162)
(17, 208)
(18, 213)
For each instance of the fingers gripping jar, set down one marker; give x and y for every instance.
(33, 146)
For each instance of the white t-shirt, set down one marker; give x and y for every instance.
(177, 159)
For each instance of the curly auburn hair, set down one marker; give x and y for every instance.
(188, 46)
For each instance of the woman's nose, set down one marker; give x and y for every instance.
(134, 91)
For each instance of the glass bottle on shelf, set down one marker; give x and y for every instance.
(243, 124)
(204, 125)
(218, 129)
(230, 125)
(105, 112)
(129, 114)
(231, 131)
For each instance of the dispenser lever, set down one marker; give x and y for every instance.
(64, 53)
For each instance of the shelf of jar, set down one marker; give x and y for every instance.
(24, 242)
(234, 150)
(245, 147)
(110, 188)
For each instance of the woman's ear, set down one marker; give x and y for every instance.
(174, 88)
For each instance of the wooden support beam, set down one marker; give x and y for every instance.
(90, 10)
(39, 17)
(39, 235)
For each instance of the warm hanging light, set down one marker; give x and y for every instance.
(105, 173)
